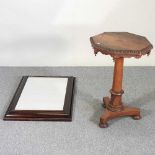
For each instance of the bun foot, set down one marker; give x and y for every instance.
(137, 117)
(103, 125)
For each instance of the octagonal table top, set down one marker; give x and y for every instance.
(121, 44)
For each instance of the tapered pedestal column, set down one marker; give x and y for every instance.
(119, 45)
(114, 106)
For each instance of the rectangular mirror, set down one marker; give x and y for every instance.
(42, 98)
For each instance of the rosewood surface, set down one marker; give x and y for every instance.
(119, 45)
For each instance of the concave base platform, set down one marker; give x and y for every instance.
(108, 115)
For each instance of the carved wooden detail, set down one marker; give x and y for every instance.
(119, 45)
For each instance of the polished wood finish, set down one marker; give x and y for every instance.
(108, 114)
(42, 115)
(114, 106)
(116, 92)
(119, 45)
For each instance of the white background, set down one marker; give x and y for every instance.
(56, 32)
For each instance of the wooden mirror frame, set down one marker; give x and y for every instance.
(41, 115)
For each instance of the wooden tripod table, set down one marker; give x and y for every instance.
(119, 45)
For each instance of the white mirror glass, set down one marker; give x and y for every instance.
(43, 93)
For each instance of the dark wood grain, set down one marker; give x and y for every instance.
(42, 115)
